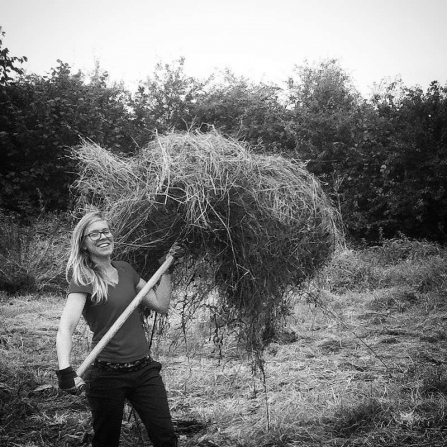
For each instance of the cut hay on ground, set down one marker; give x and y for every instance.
(255, 225)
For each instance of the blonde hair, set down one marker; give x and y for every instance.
(84, 270)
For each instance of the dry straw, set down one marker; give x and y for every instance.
(256, 225)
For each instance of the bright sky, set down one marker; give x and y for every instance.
(259, 39)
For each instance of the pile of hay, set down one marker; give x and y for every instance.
(255, 225)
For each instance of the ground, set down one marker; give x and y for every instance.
(353, 368)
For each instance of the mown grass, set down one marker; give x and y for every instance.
(361, 362)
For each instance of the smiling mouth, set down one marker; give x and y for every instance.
(103, 245)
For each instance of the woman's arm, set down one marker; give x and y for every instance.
(69, 320)
(159, 299)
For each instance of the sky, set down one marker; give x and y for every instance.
(263, 40)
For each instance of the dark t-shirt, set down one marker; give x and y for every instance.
(129, 343)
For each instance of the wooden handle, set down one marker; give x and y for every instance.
(124, 316)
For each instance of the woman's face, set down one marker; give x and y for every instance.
(98, 240)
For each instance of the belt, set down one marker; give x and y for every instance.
(123, 367)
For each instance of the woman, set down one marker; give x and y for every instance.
(100, 289)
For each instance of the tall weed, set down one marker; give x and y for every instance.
(33, 256)
(361, 417)
(349, 272)
(418, 265)
(397, 250)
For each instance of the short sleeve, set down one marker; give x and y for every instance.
(74, 287)
(135, 276)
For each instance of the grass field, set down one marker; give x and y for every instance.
(361, 362)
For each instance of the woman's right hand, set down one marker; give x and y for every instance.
(69, 381)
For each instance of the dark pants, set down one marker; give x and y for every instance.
(144, 389)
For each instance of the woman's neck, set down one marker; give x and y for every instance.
(110, 272)
(103, 262)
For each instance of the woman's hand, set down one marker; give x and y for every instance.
(69, 381)
(177, 251)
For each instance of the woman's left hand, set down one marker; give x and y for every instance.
(177, 250)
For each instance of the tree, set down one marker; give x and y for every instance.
(414, 160)
(165, 102)
(246, 111)
(395, 178)
(326, 115)
(8, 64)
(42, 119)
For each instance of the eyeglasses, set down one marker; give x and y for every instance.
(96, 235)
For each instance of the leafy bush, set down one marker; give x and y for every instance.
(42, 118)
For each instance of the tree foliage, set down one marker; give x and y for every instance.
(382, 159)
(41, 118)
(8, 64)
(326, 115)
(165, 101)
(410, 140)
(246, 111)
